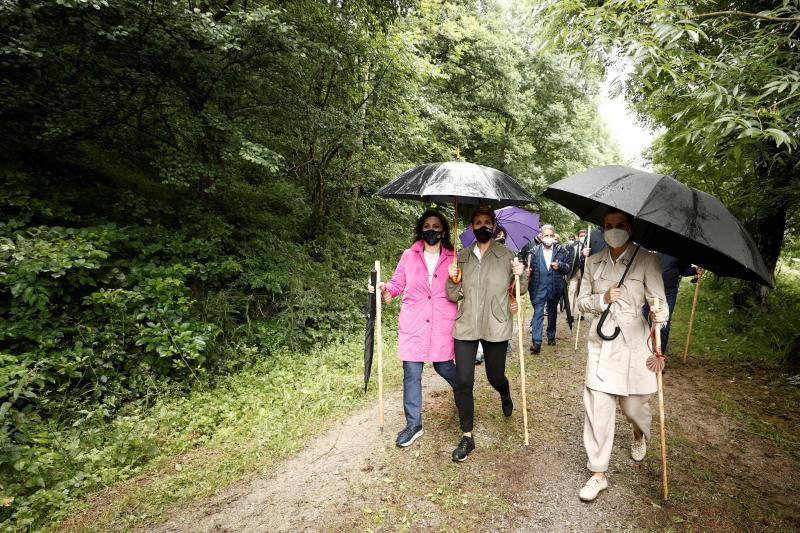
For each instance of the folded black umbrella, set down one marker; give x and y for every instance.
(567, 304)
(669, 217)
(369, 334)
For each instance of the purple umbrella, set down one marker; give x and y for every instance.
(521, 227)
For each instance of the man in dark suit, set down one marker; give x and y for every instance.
(672, 269)
(549, 263)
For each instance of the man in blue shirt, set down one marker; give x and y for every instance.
(548, 264)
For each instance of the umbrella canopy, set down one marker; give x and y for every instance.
(669, 217)
(369, 335)
(521, 227)
(456, 180)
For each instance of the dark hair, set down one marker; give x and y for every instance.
(483, 210)
(445, 227)
(498, 229)
(614, 211)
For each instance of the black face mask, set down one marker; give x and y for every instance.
(501, 240)
(483, 234)
(432, 236)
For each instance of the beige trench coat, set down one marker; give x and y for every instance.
(482, 294)
(618, 366)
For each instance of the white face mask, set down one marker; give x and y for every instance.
(616, 237)
(548, 241)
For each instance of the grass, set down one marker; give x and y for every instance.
(244, 425)
(248, 423)
(722, 334)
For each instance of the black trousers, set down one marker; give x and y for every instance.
(495, 363)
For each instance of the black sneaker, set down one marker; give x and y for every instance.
(536, 348)
(465, 447)
(551, 342)
(407, 437)
(508, 405)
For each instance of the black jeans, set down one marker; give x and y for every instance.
(495, 363)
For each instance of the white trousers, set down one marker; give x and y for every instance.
(601, 414)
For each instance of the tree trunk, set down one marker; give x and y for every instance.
(769, 226)
(362, 128)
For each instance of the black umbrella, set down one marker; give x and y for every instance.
(369, 335)
(567, 304)
(669, 217)
(456, 181)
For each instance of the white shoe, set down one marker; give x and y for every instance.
(638, 449)
(592, 488)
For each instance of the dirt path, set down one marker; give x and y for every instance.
(723, 475)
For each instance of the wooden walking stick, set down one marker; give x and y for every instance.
(691, 318)
(656, 364)
(521, 362)
(379, 342)
(580, 315)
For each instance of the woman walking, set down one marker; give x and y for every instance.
(426, 317)
(487, 271)
(615, 369)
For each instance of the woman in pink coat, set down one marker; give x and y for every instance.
(425, 328)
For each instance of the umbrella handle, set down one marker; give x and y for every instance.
(457, 278)
(607, 309)
(600, 327)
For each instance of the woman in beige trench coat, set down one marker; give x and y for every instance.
(615, 369)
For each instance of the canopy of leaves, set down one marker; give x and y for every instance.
(723, 81)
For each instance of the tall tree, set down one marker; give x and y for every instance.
(723, 80)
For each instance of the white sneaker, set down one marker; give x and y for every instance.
(592, 488)
(638, 449)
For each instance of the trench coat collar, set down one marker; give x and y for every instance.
(468, 253)
(624, 257)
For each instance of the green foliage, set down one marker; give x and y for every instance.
(723, 334)
(723, 81)
(187, 192)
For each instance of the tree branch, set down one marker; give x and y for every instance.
(219, 15)
(745, 14)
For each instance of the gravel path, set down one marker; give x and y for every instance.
(354, 478)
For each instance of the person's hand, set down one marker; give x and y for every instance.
(699, 271)
(612, 295)
(513, 306)
(661, 316)
(371, 289)
(554, 265)
(586, 252)
(386, 295)
(516, 267)
(452, 270)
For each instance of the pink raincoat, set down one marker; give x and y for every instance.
(425, 328)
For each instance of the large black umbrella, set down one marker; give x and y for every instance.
(669, 217)
(456, 181)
